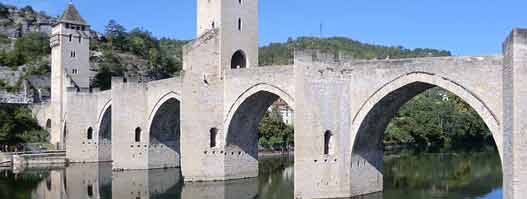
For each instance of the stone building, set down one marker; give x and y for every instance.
(70, 53)
(286, 113)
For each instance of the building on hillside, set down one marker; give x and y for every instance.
(286, 112)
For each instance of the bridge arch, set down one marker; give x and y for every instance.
(370, 122)
(104, 133)
(264, 92)
(242, 121)
(164, 129)
(375, 113)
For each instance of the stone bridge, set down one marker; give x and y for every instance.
(342, 107)
(205, 120)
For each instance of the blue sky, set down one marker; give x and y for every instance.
(465, 27)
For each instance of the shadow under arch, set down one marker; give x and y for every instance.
(105, 134)
(260, 87)
(373, 117)
(243, 119)
(164, 128)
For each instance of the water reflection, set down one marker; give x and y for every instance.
(463, 175)
(473, 175)
(98, 181)
(276, 178)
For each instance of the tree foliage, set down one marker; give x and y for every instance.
(163, 56)
(282, 53)
(28, 48)
(438, 119)
(273, 132)
(18, 125)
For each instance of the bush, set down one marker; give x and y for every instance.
(29, 48)
(18, 125)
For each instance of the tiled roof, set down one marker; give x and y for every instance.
(71, 15)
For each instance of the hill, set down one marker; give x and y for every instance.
(282, 53)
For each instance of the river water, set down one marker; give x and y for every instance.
(460, 175)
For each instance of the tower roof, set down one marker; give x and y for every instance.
(71, 15)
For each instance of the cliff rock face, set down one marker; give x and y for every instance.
(16, 22)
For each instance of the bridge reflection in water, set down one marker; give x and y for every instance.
(407, 175)
(99, 181)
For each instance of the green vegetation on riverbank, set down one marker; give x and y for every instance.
(438, 120)
(273, 132)
(17, 125)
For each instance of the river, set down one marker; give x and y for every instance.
(407, 176)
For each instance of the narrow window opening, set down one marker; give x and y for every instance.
(80, 39)
(327, 142)
(239, 24)
(213, 135)
(90, 190)
(138, 134)
(48, 183)
(71, 37)
(90, 133)
(240, 2)
(213, 25)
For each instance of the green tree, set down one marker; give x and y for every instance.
(274, 132)
(116, 35)
(110, 66)
(28, 48)
(18, 125)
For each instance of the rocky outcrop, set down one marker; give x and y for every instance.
(15, 22)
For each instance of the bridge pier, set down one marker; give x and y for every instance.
(129, 128)
(202, 115)
(514, 113)
(322, 126)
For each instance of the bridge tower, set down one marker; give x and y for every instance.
(237, 22)
(227, 40)
(70, 53)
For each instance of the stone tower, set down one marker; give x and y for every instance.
(227, 40)
(237, 21)
(70, 53)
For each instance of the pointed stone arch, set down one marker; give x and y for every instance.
(164, 132)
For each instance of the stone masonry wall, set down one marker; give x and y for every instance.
(84, 110)
(338, 95)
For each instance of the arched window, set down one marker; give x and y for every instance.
(213, 134)
(240, 2)
(137, 134)
(48, 124)
(239, 24)
(238, 60)
(90, 133)
(327, 142)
